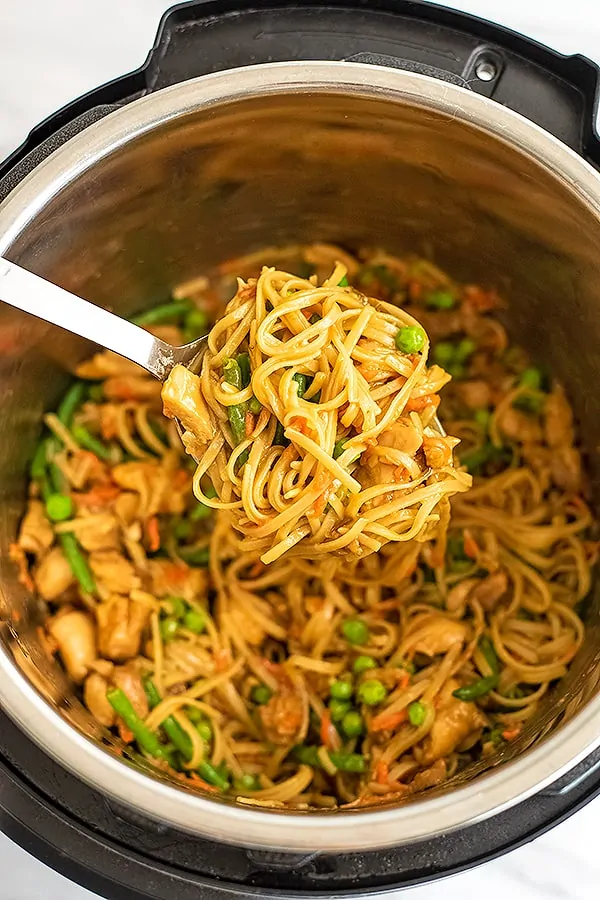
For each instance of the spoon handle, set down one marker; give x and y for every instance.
(47, 301)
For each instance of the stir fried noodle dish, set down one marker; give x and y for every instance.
(317, 596)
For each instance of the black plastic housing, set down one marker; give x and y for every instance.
(46, 809)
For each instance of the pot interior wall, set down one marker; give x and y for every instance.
(293, 168)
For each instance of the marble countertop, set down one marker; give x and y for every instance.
(53, 52)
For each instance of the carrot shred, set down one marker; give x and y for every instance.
(470, 544)
(326, 729)
(387, 721)
(510, 733)
(203, 784)
(249, 423)
(404, 680)
(153, 534)
(222, 660)
(101, 495)
(382, 772)
(417, 404)
(415, 289)
(181, 478)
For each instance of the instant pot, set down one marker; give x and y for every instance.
(386, 122)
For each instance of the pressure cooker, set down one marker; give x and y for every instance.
(388, 122)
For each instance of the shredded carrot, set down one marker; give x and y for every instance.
(471, 546)
(326, 728)
(401, 474)
(415, 289)
(257, 569)
(153, 534)
(222, 660)
(382, 772)
(404, 680)
(480, 299)
(125, 734)
(249, 423)
(510, 733)
(387, 721)
(203, 784)
(176, 571)
(321, 482)
(180, 478)
(100, 495)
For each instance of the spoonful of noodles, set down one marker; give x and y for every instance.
(312, 416)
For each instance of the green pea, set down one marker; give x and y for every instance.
(371, 692)
(444, 353)
(261, 694)
(456, 369)
(531, 378)
(247, 782)
(178, 607)
(168, 628)
(194, 714)
(200, 511)
(338, 709)
(194, 621)
(59, 507)
(339, 447)
(196, 322)
(416, 713)
(355, 631)
(341, 690)
(482, 417)
(410, 339)
(204, 729)
(363, 663)
(352, 723)
(440, 300)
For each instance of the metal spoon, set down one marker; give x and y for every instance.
(38, 297)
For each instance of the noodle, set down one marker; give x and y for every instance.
(376, 666)
(316, 368)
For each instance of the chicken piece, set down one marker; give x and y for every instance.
(438, 452)
(94, 697)
(490, 590)
(475, 394)
(155, 485)
(182, 399)
(75, 634)
(431, 777)
(455, 720)
(456, 600)
(402, 435)
(128, 678)
(53, 576)
(285, 715)
(101, 532)
(106, 364)
(566, 469)
(121, 622)
(133, 387)
(519, 427)
(115, 573)
(558, 420)
(177, 579)
(440, 635)
(36, 533)
(127, 506)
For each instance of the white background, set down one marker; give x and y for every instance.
(54, 50)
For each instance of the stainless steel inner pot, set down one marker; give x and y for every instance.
(178, 181)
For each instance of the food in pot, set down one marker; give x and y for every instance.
(313, 417)
(318, 682)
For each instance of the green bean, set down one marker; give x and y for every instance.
(489, 654)
(254, 405)
(146, 739)
(87, 440)
(171, 726)
(70, 402)
(37, 470)
(348, 762)
(279, 439)
(243, 361)
(57, 479)
(301, 382)
(339, 447)
(200, 511)
(476, 689)
(166, 312)
(212, 776)
(344, 281)
(195, 556)
(236, 413)
(309, 756)
(77, 561)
